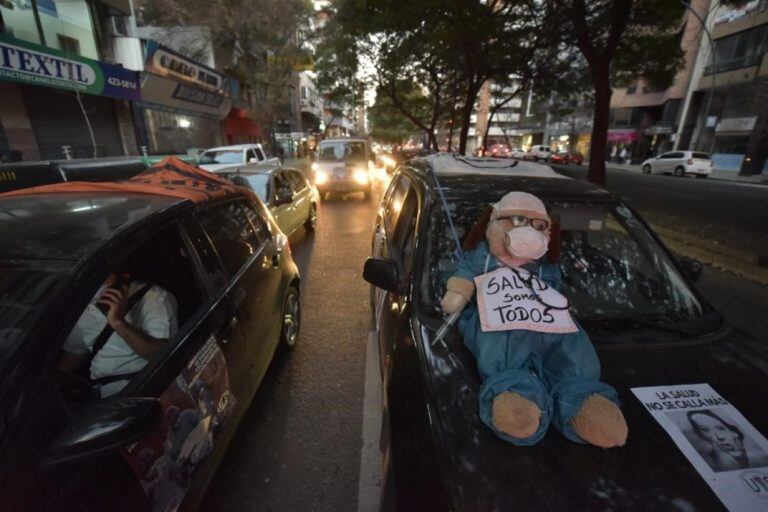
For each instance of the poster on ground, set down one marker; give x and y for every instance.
(726, 450)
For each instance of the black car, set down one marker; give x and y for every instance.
(155, 444)
(649, 324)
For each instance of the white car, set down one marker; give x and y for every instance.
(537, 153)
(344, 165)
(517, 153)
(226, 157)
(680, 163)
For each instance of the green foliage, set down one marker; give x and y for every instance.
(388, 124)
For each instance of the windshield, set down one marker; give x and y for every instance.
(342, 151)
(25, 294)
(260, 184)
(612, 269)
(222, 157)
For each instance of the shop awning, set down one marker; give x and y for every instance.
(622, 135)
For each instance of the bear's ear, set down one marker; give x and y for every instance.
(477, 233)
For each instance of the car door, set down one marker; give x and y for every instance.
(247, 257)
(301, 197)
(283, 213)
(663, 163)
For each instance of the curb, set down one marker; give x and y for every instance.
(742, 263)
(762, 181)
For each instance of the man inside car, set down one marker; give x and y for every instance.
(119, 332)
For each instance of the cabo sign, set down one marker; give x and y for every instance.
(34, 64)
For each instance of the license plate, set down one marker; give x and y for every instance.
(340, 174)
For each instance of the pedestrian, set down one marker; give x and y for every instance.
(623, 155)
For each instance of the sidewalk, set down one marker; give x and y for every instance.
(717, 174)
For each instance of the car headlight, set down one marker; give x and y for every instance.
(313, 166)
(321, 177)
(360, 176)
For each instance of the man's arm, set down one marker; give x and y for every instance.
(143, 344)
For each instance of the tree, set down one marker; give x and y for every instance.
(620, 39)
(387, 122)
(449, 48)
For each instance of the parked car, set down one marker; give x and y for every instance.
(680, 163)
(567, 157)
(156, 443)
(637, 302)
(288, 195)
(216, 159)
(518, 153)
(499, 151)
(537, 153)
(343, 166)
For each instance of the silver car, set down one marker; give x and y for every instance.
(680, 163)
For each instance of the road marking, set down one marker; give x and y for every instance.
(369, 486)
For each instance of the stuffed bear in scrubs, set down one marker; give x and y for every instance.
(538, 366)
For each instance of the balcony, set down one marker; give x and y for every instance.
(729, 65)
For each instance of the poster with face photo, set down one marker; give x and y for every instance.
(196, 406)
(726, 450)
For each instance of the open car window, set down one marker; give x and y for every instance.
(612, 269)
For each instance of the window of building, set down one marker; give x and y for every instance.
(632, 89)
(69, 45)
(19, 21)
(303, 92)
(740, 50)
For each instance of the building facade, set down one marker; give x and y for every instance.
(60, 97)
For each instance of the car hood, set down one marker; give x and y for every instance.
(218, 167)
(649, 473)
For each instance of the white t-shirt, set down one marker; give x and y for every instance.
(155, 314)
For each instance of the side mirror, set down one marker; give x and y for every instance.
(381, 273)
(101, 427)
(691, 268)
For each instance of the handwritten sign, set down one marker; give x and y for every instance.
(514, 299)
(728, 452)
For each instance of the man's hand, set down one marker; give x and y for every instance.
(459, 293)
(117, 302)
(453, 302)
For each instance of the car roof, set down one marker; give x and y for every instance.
(234, 146)
(488, 177)
(68, 226)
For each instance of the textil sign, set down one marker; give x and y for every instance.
(33, 64)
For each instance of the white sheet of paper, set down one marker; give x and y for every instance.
(506, 302)
(726, 450)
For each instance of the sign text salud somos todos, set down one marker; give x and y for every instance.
(515, 299)
(34, 64)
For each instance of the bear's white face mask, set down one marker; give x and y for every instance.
(526, 242)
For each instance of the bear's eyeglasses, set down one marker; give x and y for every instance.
(520, 221)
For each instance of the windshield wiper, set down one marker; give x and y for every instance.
(660, 322)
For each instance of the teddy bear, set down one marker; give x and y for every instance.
(537, 364)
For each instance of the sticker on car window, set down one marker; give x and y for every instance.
(727, 451)
(196, 407)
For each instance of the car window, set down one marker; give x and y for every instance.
(701, 156)
(611, 267)
(161, 277)
(403, 234)
(340, 151)
(256, 217)
(251, 155)
(297, 180)
(259, 183)
(282, 183)
(228, 156)
(260, 153)
(394, 205)
(232, 234)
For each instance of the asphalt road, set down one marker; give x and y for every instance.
(730, 213)
(298, 447)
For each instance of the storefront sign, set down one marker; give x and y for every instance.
(172, 95)
(622, 135)
(33, 64)
(659, 130)
(166, 62)
(736, 124)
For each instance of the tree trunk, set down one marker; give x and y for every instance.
(602, 81)
(466, 113)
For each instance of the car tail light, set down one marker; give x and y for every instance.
(690, 161)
